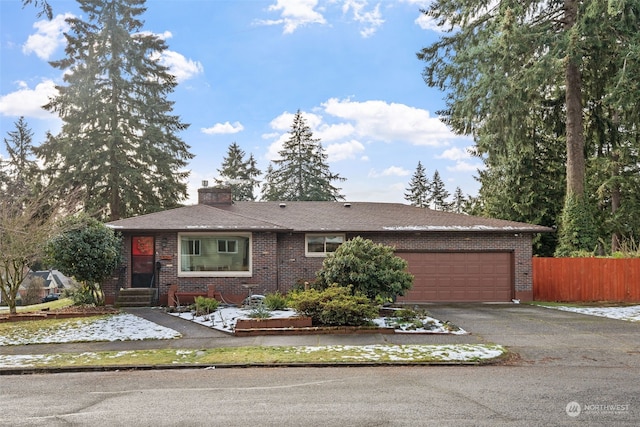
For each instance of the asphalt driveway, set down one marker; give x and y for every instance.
(544, 336)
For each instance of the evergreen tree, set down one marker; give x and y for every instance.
(118, 143)
(526, 76)
(439, 194)
(459, 201)
(418, 192)
(20, 169)
(302, 172)
(239, 174)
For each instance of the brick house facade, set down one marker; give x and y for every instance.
(278, 257)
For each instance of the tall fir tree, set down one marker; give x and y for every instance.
(418, 191)
(118, 142)
(20, 170)
(575, 55)
(301, 173)
(239, 174)
(439, 198)
(459, 201)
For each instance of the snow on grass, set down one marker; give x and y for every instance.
(630, 313)
(118, 327)
(409, 353)
(331, 354)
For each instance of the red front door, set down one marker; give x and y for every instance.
(142, 261)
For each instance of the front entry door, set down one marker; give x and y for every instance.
(142, 261)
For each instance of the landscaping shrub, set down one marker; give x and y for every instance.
(205, 306)
(275, 301)
(371, 268)
(259, 311)
(334, 306)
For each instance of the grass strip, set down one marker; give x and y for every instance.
(336, 354)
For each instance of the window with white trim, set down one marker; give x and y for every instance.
(321, 244)
(214, 254)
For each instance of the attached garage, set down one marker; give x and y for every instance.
(460, 276)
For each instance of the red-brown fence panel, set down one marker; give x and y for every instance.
(586, 279)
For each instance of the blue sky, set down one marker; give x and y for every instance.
(246, 66)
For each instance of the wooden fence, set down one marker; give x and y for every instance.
(586, 279)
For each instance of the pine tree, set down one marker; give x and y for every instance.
(439, 194)
(302, 172)
(20, 169)
(418, 192)
(524, 77)
(459, 201)
(239, 174)
(118, 143)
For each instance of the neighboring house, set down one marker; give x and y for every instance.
(54, 282)
(242, 247)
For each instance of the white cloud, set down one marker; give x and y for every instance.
(343, 151)
(294, 14)
(379, 120)
(28, 102)
(371, 19)
(334, 132)
(455, 153)
(390, 171)
(48, 37)
(223, 128)
(462, 166)
(180, 66)
(163, 36)
(428, 23)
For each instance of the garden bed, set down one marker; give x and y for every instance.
(63, 313)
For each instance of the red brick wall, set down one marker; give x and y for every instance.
(279, 261)
(294, 266)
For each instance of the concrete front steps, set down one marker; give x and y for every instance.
(136, 297)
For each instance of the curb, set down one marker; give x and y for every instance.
(80, 369)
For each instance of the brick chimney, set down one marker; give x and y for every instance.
(215, 196)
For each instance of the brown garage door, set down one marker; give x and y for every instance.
(459, 276)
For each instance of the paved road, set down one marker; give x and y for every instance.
(563, 358)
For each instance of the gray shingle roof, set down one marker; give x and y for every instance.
(316, 217)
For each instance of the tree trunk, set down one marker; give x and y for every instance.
(573, 98)
(615, 199)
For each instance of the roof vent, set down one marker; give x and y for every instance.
(347, 205)
(283, 205)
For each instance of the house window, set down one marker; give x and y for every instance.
(322, 244)
(228, 246)
(193, 247)
(214, 255)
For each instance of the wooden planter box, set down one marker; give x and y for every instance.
(280, 323)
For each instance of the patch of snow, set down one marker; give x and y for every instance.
(400, 353)
(630, 313)
(118, 327)
(225, 318)
(430, 325)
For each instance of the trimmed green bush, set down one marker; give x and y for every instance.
(334, 306)
(371, 268)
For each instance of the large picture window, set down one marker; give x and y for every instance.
(214, 254)
(322, 244)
